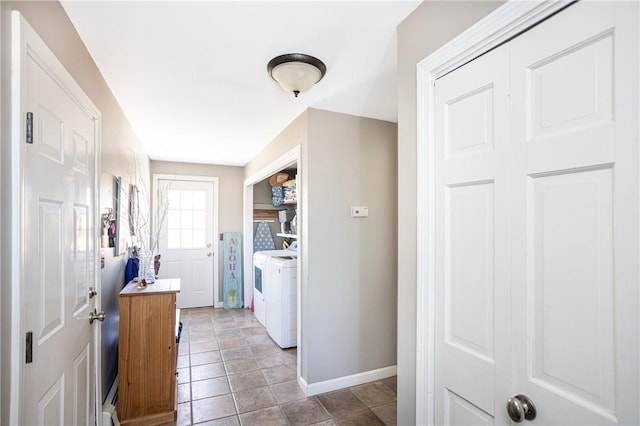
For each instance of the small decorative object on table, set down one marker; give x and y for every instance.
(146, 269)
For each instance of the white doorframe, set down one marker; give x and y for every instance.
(216, 208)
(293, 156)
(500, 26)
(25, 41)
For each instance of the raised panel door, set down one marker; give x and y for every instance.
(471, 274)
(574, 215)
(537, 233)
(59, 240)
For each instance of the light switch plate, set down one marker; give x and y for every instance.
(359, 211)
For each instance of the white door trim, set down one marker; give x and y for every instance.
(500, 26)
(216, 208)
(26, 42)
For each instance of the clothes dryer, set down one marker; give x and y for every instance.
(260, 273)
(281, 300)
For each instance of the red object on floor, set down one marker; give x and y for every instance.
(252, 304)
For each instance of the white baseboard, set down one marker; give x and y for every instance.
(346, 381)
(109, 413)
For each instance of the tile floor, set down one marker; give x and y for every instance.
(231, 373)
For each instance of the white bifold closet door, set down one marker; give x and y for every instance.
(537, 201)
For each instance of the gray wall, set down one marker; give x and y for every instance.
(428, 28)
(122, 155)
(230, 186)
(348, 288)
(351, 300)
(262, 193)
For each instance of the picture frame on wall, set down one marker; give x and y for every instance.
(109, 227)
(126, 214)
(118, 246)
(134, 213)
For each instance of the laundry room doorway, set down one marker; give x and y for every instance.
(262, 220)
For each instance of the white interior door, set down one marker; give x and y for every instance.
(59, 240)
(537, 200)
(187, 240)
(471, 299)
(574, 215)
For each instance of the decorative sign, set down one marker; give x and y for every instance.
(232, 286)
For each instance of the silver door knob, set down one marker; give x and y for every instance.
(208, 245)
(92, 292)
(521, 408)
(209, 253)
(93, 316)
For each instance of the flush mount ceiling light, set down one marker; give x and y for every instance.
(296, 72)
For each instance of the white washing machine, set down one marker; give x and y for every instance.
(281, 299)
(260, 269)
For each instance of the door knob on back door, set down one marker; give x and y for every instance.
(521, 408)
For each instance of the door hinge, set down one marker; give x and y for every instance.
(29, 347)
(29, 127)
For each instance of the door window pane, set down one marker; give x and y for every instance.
(186, 200)
(198, 219)
(174, 198)
(186, 219)
(199, 200)
(174, 238)
(173, 219)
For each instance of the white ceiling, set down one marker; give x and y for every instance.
(191, 76)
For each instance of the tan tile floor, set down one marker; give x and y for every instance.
(231, 373)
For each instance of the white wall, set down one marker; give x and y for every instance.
(428, 28)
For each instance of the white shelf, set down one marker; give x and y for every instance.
(280, 234)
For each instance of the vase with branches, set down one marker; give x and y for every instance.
(145, 224)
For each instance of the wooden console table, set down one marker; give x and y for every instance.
(147, 353)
